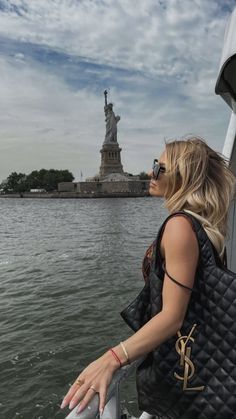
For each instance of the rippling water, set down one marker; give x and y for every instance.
(67, 267)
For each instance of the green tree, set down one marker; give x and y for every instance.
(143, 176)
(42, 179)
(34, 180)
(48, 179)
(23, 185)
(14, 182)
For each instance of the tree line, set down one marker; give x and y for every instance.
(38, 179)
(144, 176)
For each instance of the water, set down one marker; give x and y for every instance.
(67, 268)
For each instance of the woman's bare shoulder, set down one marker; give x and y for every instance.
(179, 233)
(178, 223)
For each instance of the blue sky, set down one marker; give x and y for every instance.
(158, 58)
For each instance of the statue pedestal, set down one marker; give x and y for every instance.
(110, 159)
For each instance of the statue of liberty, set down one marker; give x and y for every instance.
(111, 122)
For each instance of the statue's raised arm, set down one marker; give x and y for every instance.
(105, 95)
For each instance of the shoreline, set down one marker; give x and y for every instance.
(77, 195)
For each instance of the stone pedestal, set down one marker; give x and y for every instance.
(110, 159)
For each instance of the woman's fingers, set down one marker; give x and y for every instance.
(78, 396)
(102, 399)
(87, 398)
(84, 393)
(70, 394)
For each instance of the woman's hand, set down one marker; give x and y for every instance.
(93, 379)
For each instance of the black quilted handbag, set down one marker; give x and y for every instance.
(191, 375)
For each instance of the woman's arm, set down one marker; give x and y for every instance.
(181, 254)
(180, 249)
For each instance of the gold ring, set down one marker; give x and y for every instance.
(79, 382)
(94, 389)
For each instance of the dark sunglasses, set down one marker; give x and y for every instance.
(157, 169)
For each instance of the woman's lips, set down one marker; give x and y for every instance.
(153, 183)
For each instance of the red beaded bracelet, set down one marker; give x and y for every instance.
(115, 356)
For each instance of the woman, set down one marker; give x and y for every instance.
(191, 177)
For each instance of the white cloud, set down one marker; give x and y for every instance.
(42, 122)
(170, 51)
(146, 37)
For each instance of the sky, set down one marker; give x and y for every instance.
(158, 59)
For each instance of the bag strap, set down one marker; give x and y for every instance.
(175, 280)
(225, 258)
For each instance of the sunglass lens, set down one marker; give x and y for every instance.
(156, 170)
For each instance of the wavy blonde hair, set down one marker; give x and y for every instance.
(200, 182)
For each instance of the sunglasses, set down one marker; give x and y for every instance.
(157, 169)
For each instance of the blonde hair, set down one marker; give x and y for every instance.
(200, 182)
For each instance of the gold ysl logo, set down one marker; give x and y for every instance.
(185, 360)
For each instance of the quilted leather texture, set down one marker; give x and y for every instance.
(212, 308)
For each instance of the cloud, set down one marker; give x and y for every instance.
(159, 38)
(159, 58)
(42, 122)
